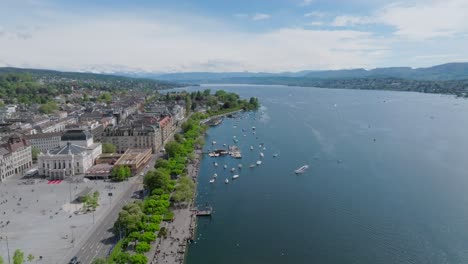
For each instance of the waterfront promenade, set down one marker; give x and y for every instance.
(172, 249)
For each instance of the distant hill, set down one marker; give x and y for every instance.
(91, 79)
(449, 71)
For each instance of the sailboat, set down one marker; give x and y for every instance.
(212, 180)
(235, 176)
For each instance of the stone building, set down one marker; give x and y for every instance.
(133, 137)
(75, 155)
(15, 157)
(45, 141)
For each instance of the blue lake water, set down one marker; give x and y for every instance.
(387, 183)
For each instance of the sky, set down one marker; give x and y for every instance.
(226, 36)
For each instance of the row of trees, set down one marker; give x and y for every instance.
(18, 257)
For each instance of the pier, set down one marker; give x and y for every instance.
(206, 212)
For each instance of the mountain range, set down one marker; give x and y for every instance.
(449, 71)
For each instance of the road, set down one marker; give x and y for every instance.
(101, 240)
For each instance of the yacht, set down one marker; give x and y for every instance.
(235, 176)
(301, 169)
(215, 175)
(226, 181)
(233, 169)
(259, 162)
(262, 155)
(212, 180)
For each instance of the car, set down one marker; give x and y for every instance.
(74, 260)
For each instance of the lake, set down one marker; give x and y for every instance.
(387, 183)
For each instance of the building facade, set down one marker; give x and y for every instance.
(15, 157)
(166, 126)
(75, 155)
(45, 141)
(133, 137)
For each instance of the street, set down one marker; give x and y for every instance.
(101, 240)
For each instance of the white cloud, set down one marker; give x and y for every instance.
(418, 20)
(241, 15)
(437, 18)
(179, 43)
(306, 2)
(315, 14)
(346, 21)
(316, 23)
(260, 16)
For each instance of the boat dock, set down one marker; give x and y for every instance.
(206, 212)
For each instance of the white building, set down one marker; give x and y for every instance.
(75, 155)
(15, 157)
(45, 141)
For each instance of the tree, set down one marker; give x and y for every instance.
(18, 257)
(138, 259)
(1, 260)
(35, 152)
(108, 148)
(161, 163)
(105, 97)
(48, 108)
(173, 149)
(30, 257)
(142, 247)
(157, 179)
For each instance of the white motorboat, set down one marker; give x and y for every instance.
(214, 142)
(226, 181)
(264, 148)
(253, 128)
(225, 166)
(262, 155)
(251, 147)
(301, 169)
(233, 169)
(216, 164)
(212, 180)
(259, 162)
(275, 155)
(235, 176)
(215, 175)
(240, 166)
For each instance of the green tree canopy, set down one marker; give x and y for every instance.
(108, 148)
(157, 179)
(18, 257)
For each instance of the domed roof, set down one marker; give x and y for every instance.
(76, 134)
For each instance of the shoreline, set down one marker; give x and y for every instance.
(173, 249)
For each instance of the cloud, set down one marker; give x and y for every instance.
(306, 2)
(181, 43)
(316, 23)
(260, 16)
(416, 21)
(346, 21)
(315, 14)
(426, 20)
